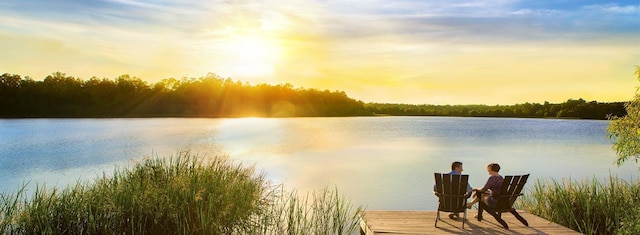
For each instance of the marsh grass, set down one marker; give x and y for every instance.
(176, 195)
(319, 212)
(589, 207)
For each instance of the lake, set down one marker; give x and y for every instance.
(378, 162)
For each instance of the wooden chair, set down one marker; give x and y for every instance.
(452, 194)
(510, 190)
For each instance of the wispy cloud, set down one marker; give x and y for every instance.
(615, 8)
(363, 47)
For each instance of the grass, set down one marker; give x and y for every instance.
(589, 207)
(177, 195)
(319, 212)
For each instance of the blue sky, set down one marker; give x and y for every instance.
(444, 52)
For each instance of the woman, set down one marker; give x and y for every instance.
(490, 189)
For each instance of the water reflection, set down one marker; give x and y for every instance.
(379, 162)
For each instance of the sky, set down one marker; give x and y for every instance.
(411, 51)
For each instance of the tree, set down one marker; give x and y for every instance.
(624, 132)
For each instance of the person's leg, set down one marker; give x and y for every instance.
(486, 198)
(488, 204)
(475, 200)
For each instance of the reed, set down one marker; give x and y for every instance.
(319, 212)
(176, 195)
(589, 207)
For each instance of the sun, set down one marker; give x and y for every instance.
(251, 55)
(253, 49)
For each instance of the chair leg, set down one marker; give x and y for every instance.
(464, 218)
(480, 210)
(519, 217)
(437, 218)
(497, 217)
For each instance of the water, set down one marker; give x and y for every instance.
(378, 162)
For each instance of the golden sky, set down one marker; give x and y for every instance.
(419, 52)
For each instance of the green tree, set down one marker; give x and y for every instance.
(624, 132)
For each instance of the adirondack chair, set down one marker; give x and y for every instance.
(451, 191)
(510, 190)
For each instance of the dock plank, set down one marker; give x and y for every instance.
(422, 222)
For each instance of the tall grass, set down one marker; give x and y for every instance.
(589, 207)
(181, 195)
(318, 212)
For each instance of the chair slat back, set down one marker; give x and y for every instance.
(511, 188)
(439, 187)
(451, 188)
(521, 182)
(506, 185)
(518, 188)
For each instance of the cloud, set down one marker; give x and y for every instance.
(615, 8)
(506, 22)
(385, 48)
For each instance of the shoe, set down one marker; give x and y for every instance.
(453, 216)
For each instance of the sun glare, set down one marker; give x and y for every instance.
(251, 55)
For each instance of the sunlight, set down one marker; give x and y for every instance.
(251, 55)
(241, 135)
(248, 122)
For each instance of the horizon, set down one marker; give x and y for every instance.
(499, 52)
(150, 84)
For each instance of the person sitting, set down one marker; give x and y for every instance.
(456, 169)
(490, 189)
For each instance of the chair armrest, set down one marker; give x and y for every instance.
(466, 195)
(510, 195)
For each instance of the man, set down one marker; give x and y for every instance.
(456, 169)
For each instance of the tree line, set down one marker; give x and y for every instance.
(572, 108)
(59, 95)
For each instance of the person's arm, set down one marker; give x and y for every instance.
(487, 185)
(494, 183)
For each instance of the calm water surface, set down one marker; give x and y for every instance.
(377, 162)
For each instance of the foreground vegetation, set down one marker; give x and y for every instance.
(624, 131)
(182, 195)
(59, 95)
(589, 207)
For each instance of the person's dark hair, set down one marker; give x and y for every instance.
(494, 167)
(455, 165)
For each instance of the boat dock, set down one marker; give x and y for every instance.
(422, 222)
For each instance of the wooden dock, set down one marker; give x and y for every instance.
(422, 222)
